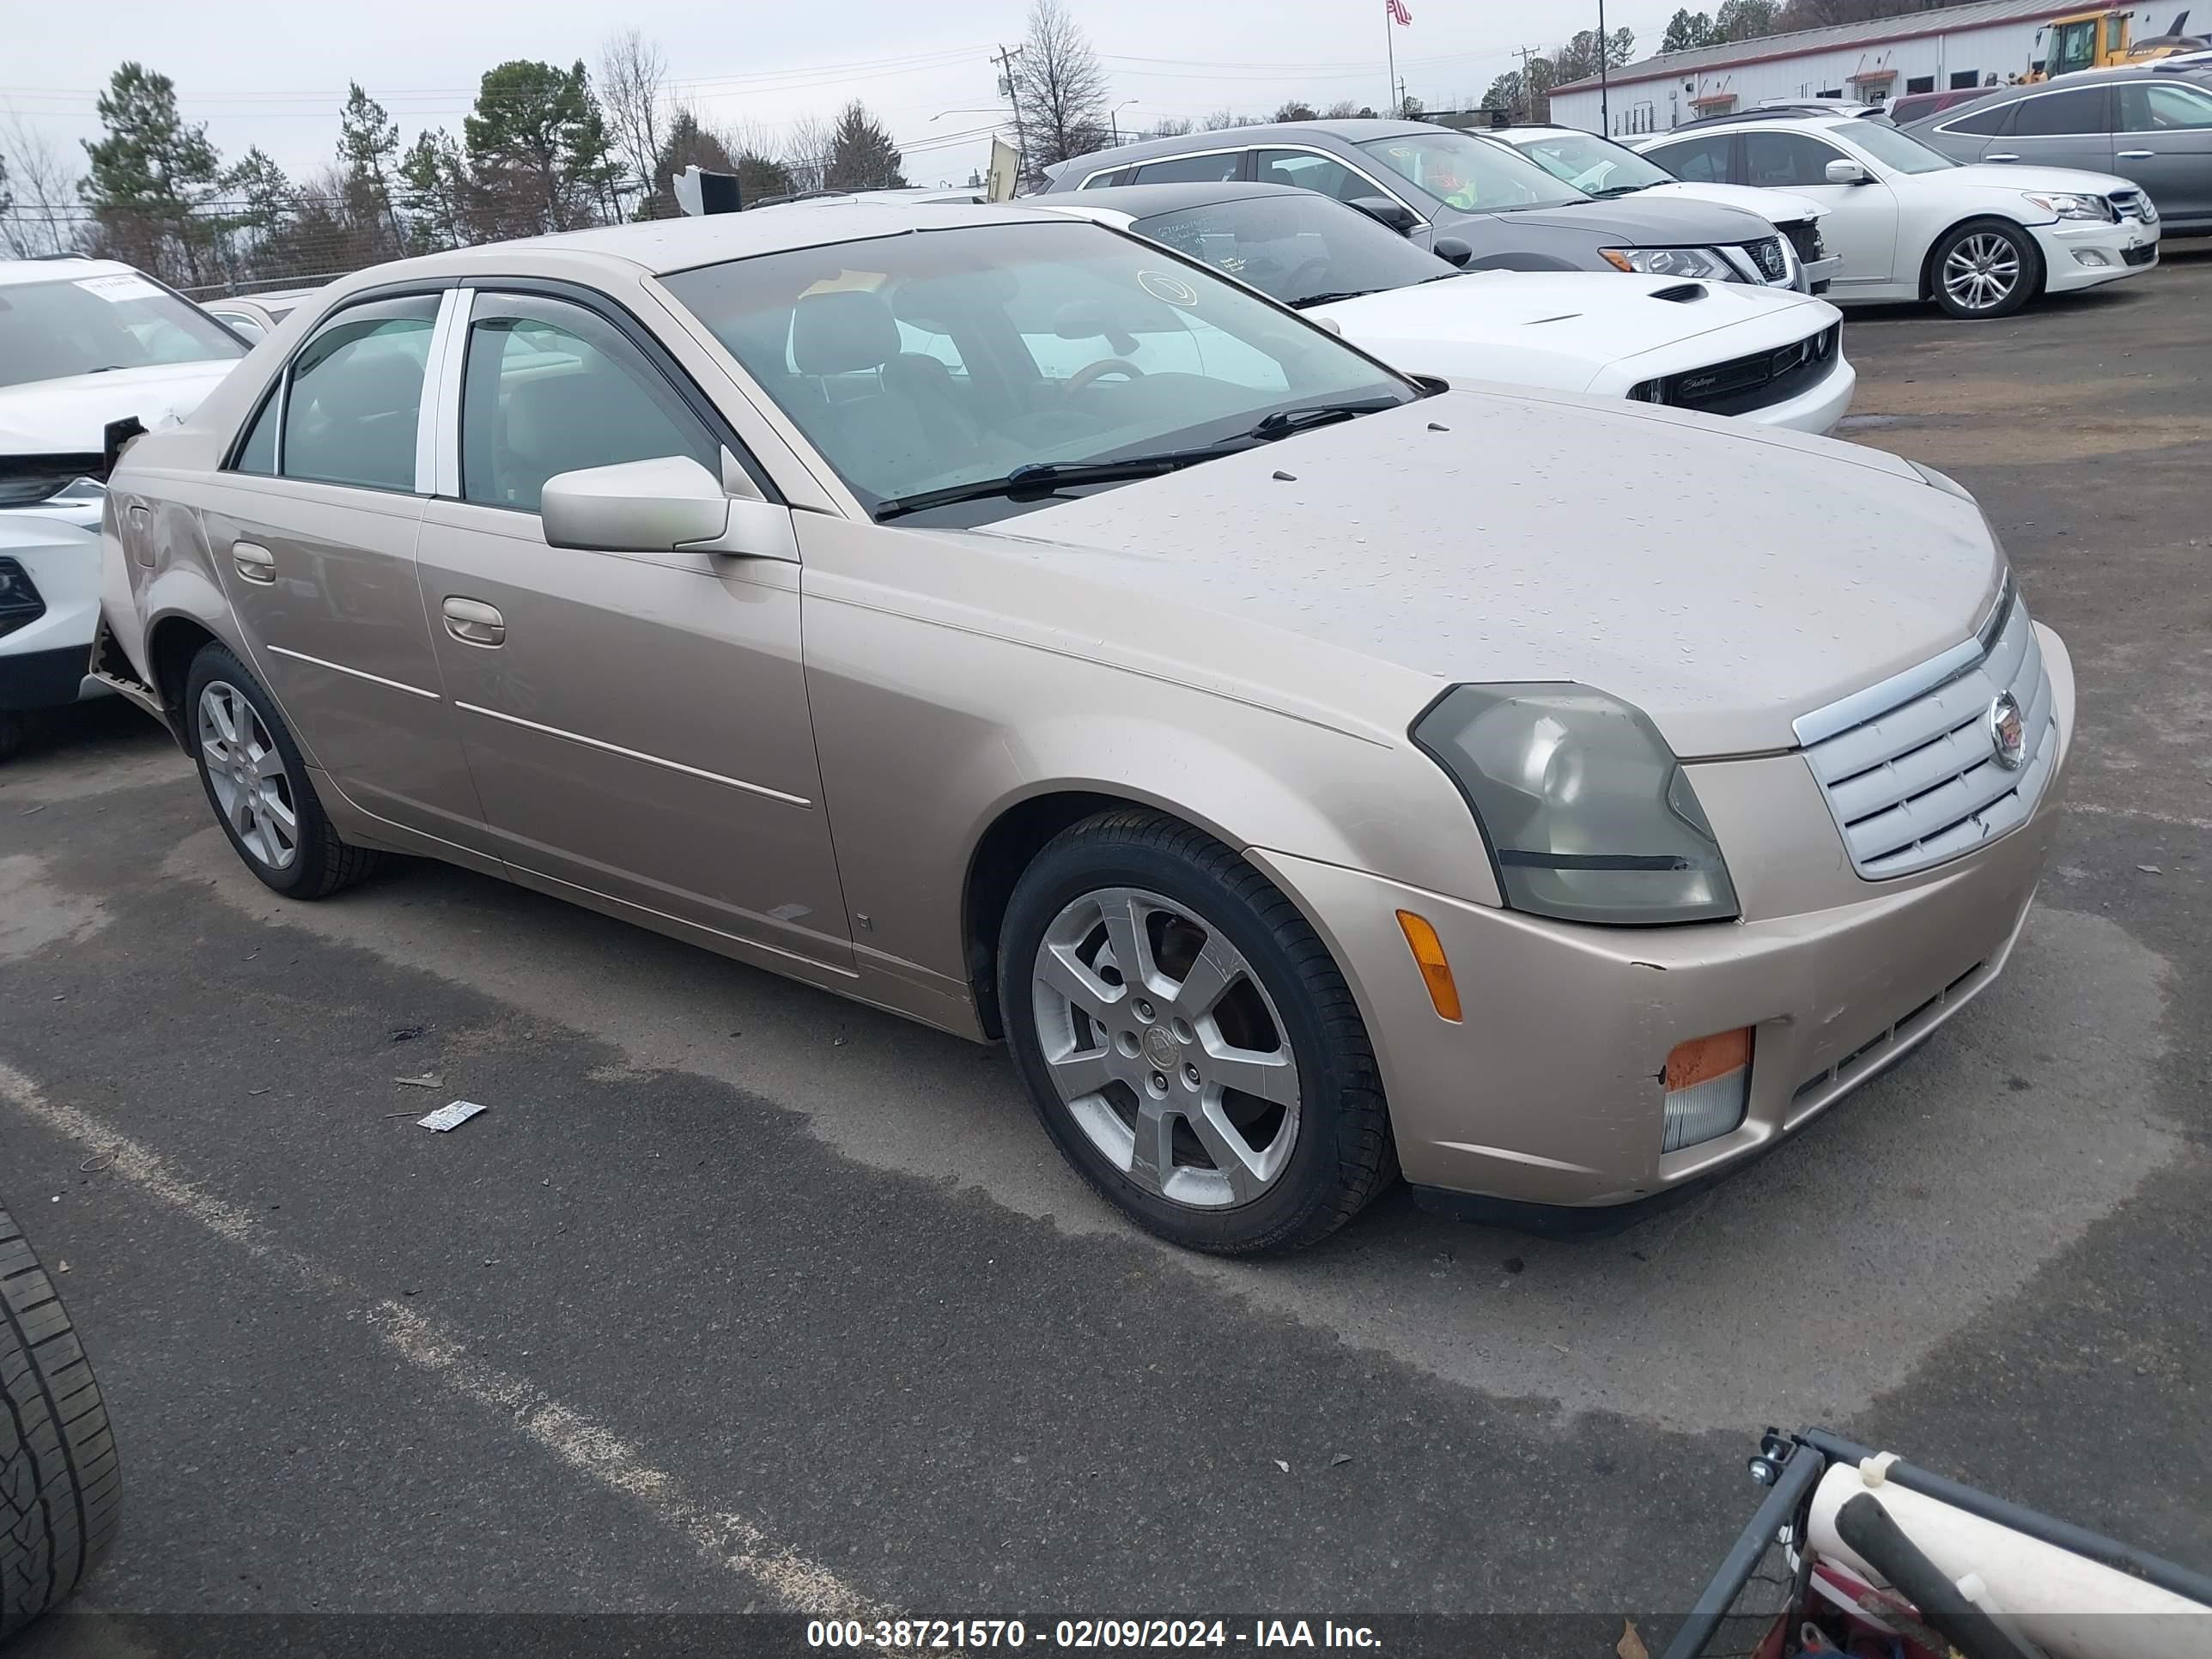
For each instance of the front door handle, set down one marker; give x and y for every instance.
(255, 562)
(2136, 155)
(2001, 158)
(473, 622)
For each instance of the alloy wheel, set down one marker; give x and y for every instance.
(1165, 1048)
(246, 776)
(1981, 272)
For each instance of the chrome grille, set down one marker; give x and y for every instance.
(1910, 768)
(1768, 255)
(2131, 204)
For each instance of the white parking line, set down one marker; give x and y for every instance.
(729, 1540)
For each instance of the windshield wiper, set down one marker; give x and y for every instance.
(1285, 421)
(1304, 300)
(1611, 191)
(1043, 478)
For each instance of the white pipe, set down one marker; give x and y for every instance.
(2068, 1605)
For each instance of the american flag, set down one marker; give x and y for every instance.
(1399, 15)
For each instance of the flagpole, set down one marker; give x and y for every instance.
(1390, 45)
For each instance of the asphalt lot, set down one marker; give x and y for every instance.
(741, 1297)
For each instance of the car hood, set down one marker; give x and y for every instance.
(1641, 221)
(69, 417)
(2011, 176)
(1776, 206)
(1725, 579)
(1574, 319)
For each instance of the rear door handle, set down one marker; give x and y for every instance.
(255, 562)
(2136, 155)
(474, 622)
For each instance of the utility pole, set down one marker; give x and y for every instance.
(1604, 71)
(1005, 60)
(1527, 110)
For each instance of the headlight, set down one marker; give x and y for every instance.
(2068, 206)
(1704, 262)
(1588, 814)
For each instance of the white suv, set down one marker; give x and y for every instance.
(1911, 224)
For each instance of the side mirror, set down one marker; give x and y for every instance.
(1327, 325)
(1847, 172)
(1452, 251)
(636, 507)
(1388, 210)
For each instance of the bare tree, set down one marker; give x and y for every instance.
(1060, 89)
(45, 215)
(632, 78)
(1171, 126)
(806, 152)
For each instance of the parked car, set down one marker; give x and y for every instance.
(255, 316)
(62, 1492)
(2150, 127)
(82, 342)
(1603, 170)
(1912, 224)
(1310, 773)
(1770, 357)
(1905, 110)
(1433, 183)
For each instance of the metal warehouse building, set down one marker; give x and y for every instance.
(1983, 44)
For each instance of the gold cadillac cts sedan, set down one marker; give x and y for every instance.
(1311, 773)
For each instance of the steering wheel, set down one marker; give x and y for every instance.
(1090, 372)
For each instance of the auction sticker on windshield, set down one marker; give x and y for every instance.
(123, 285)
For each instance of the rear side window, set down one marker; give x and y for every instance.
(550, 387)
(1781, 160)
(1191, 169)
(356, 395)
(1984, 123)
(1701, 160)
(2061, 114)
(1114, 176)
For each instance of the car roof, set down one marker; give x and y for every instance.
(2154, 70)
(1269, 132)
(1753, 118)
(62, 268)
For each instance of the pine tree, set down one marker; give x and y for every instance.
(151, 177)
(520, 140)
(433, 184)
(861, 153)
(368, 150)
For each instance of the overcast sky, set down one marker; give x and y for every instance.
(259, 71)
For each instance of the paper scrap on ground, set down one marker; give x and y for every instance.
(451, 1115)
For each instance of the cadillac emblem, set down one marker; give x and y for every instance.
(2007, 732)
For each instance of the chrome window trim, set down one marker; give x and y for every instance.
(1877, 700)
(1170, 155)
(568, 736)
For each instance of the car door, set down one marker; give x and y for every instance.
(1861, 226)
(2164, 145)
(637, 723)
(313, 526)
(2068, 128)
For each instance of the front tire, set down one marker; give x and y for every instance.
(256, 780)
(1987, 268)
(1187, 1040)
(60, 1490)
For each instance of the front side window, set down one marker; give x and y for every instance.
(1191, 169)
(2061, 114)
(550, 387)
(1895, 151)
(1471, 173)
(52, 330)
(1780, 161)
(1592, 165)
(2157, 106)
(1080, 344)
(1700, 161)
(1306, 171)
(356, 395)
(1295, 250)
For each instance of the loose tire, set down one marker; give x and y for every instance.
(1187, 1040)
(60, 1490)
(256, 780)
(1986, 267)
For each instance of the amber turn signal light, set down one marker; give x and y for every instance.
(1429, 955)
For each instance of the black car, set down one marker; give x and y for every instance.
(1438, 186)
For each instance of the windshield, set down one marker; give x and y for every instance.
(1595, 165)
(1894, 149)
(84, 324)
(920, 362)
(1471, 173)
(1298, 247)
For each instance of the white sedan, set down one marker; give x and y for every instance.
(1765, 355)
(1911, 224)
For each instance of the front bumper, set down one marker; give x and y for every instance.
(1817, 408)
(1549, 1092)
(2079, 255)
(45, 663)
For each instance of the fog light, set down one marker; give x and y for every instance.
(2090, 256)
(1708, 1088)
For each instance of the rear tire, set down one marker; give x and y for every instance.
(1984, 269)
(60, 1488)
(256, 780)
(1222, 1092)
